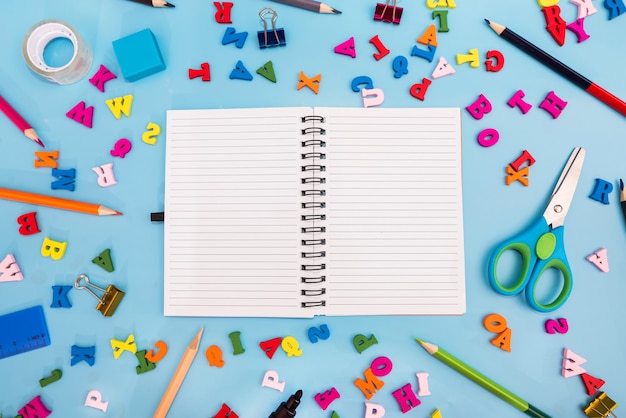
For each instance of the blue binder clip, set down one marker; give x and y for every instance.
(269, 38)
(388, 13)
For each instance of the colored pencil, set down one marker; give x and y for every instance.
(558, 67)
(56, 202)
(482, 380)
(312, 5)
(179, 376)
(19, 121)
(622, 197)
(155, 3)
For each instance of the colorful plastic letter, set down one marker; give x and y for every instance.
(429, 37)
(106, 178)
(321, 332)
(94, 400)
(35, 409)
(312, 83)
(600, 260)
(363, 79)
(153, 357)
(418, 90)
(214, 356)
(121, 148)
(372, 97)
(65, 179)
(28, 223)
(442, 15)
(232, 36)
(436, 414)
(104, 260)
(571, 364)
(370, 385)
(267, 70)
(553, 104)
(374, 410)
(47, 159)
(471, 57)
(53, 249)
(346, 48)
(592, 384)
(138, 55)
(120, 105)
(362, 343)
(270, 380)
(559, 325)
(585, 8)
(406, 398)
(270, 346)
(225, 412)
(291, 346)
(615, 8)
(101, 77)
(149, 136)
(204, 72)
(326, 398)
(431, 4)
(555, 25)
(503, 340)
(381, 366)
(488, 137)
(10, 270)
(120, 346)
(59, 297)
(400, 66)
(422, 383)
(240, 72)
(428, 55)
(516, 100)
(86, 354)
(494, 323)
(601, 191)
(222, 15)
(513, 175)
(144, 364)
(525, 157)
(480, 107)
(442, 69)
(235, 340)
(81, 114)
(495, 61)
(578, 28)
(380, 47)
(54, 376)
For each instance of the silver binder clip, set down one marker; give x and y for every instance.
(275, 37)
(111, 297)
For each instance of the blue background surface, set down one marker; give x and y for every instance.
(189, 35)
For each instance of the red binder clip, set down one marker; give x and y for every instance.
(388, 13)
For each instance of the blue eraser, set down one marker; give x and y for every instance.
(138, 55)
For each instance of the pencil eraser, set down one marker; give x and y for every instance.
(138, 55)
(600, 260)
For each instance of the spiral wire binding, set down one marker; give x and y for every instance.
(313, 239)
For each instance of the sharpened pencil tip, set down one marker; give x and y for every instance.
(117, 212)
(39, 141)
(337, 12)
(487, 20)
(169, 5)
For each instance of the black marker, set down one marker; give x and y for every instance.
(288, 409)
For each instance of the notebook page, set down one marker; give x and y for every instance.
(232, 213)
(394, 212)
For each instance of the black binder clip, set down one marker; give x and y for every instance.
(601, 407)
(269, 38)
(111, 298)
(388, 13)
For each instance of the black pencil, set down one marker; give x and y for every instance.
(622, 197)
(155, 3)
(558, 67)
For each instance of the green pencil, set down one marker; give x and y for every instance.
(482, 380)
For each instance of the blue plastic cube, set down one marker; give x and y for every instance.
(138, 55)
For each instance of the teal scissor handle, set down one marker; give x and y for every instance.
(540, 249)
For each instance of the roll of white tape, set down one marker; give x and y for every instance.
(44, 32)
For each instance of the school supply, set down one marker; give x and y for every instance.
(541, 245)
(23, 331)
(312, 5)
(482, 380)
(601, 407)
(558, 67)
(295, 212)
(108, 301)
(19, 121)
(288, 409)
(155, 3)
(56, 202)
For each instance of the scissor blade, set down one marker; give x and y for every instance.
(563, 192)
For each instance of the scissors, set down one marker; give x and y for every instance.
(541, 245)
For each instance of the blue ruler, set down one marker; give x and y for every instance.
(23, 331)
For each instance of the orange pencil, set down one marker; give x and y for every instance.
(19, 121)
(56, 202)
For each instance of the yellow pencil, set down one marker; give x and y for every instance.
(56, 202)
(179, 376)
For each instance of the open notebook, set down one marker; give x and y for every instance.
(295, 212)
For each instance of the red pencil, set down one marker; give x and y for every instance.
(19, 121)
